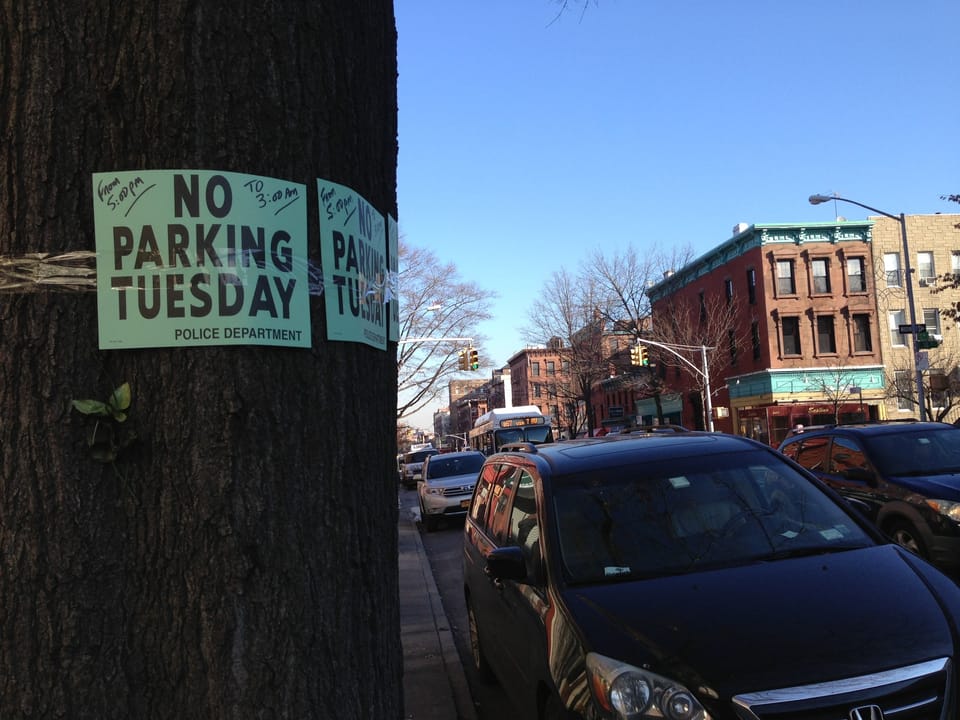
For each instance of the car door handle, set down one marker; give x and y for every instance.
(495, 581)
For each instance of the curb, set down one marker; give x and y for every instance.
(429, 651)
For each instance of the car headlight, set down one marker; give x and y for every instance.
(633, 694)
(433, 490)
(947, 508)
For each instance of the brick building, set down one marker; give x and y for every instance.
(806, 328)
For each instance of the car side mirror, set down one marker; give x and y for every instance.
(506, 563)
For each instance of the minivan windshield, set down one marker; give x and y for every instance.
(690, 514)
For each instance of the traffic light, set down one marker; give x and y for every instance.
(638, 355)
(474, 363)
(462, 360)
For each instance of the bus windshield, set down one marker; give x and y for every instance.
(502, 426)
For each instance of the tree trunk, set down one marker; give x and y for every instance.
(239, 559)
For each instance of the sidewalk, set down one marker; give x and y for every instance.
(434, 684)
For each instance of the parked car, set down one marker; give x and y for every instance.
(696, 576)
(905, 476)
(447, 485)
(412, 468)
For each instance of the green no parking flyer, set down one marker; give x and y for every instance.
(198, 257)
(353, 246)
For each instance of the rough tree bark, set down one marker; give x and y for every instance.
(239, 561)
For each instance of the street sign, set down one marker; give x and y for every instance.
(910, 329)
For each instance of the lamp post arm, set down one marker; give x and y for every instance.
(865, 207)
(670, 349)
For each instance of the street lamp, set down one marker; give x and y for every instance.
(918, 372)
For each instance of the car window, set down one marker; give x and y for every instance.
(441, 467)
(675, 517)
(503, 492)
(846, 454)
(524, 529)
(791, 449)
(813, 453)
(482, 495)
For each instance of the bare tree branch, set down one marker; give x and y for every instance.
(434, 303)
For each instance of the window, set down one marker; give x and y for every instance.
(826, 342)
(551, 367)
(791, 335)
(752, 286)
(856, 279)
(502, 496)
(903, 384)
(955, 263)
(931, 318)
(939, 388)
(820, 269)
(925, 269)
(861, 334)
(728, 290)
(813, 453)
(755, 338)
(785, 280)
(846, 454)
(703, 308)
(732, 341)
(482, 494)
(524, 530)
(537, 390)
(535, 369)
(891, 268)
(897, 318)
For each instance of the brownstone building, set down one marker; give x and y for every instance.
(804, 345)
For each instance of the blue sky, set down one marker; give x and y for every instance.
(527, 140)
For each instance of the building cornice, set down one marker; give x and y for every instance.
(756, 236)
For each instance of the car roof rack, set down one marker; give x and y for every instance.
(526, 447)
(653, 429)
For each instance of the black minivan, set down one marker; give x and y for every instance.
(690, 576)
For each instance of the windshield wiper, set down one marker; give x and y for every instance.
(810, 551)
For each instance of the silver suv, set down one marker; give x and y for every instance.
(447, 485)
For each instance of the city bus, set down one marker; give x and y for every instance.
(496, 428)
